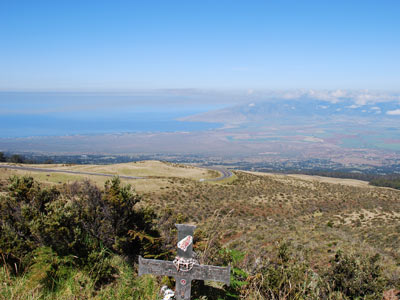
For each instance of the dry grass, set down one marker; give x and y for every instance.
(141, 168)
(311, 178)
(160, 174)
(318, 215)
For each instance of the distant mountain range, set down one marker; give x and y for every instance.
(300, 110)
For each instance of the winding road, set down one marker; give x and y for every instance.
(225, 173)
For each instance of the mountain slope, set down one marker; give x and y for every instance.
(301, 109)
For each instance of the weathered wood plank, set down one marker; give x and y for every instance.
(212, 273)
(198, 272)
(157, 267)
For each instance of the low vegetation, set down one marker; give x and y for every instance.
(48, 234)
(284, 237)
(392, 182)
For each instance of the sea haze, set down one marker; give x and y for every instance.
(56, 114)
(341, 127)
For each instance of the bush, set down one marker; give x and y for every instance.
(288, 277)
(2, 157)
(81, 222)
(16, 158)
(48, 269)
(110, 217)
(238, 276)
(23, 206)
(356, 276)
(58, 228)
(99, 267)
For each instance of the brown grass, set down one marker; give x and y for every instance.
(318, 215)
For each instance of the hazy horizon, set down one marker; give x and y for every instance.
(26, 114)
(311, 78)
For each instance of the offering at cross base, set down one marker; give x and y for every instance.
(168, 294)
(184, 268)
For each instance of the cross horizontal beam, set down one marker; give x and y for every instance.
(198, 272)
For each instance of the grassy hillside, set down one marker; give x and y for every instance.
(259, 210)
(156, 173)
(255, 214)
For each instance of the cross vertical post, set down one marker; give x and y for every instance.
(183, 283)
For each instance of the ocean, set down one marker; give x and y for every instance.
(24, 114)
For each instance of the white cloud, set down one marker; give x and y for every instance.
(395, 112)
(330, 96)
(358, 97)
(353, 106)
(375, 108)
(339, 93)
(252, 104)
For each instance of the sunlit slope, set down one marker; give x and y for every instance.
(254, 211)
(155, 173)
(319, 215)
(140, 168)
(300, 179)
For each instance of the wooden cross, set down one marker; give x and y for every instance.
(184, 276)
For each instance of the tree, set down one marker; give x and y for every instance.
(16, 158)
(2, 157)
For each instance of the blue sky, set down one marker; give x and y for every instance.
(128, 45)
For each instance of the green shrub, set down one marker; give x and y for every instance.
(22, 188)
(111, 218)
(238, 275)
(99, 267)
(59, 229)
(19, 211)
(288, 277)
(80, 221)
(356, 276)
(48, 269)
